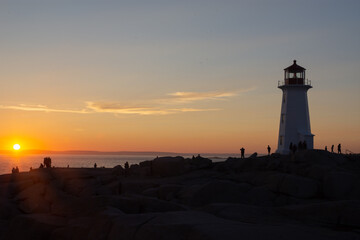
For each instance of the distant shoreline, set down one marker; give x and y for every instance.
(85, 152)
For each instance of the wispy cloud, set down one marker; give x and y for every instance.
(117, 108)
(199, 96)
(41, 108)
(150, 107)
(187, 97)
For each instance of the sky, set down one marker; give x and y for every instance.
(178, 76)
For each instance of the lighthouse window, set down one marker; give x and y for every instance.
(298, 75)
(291, 75)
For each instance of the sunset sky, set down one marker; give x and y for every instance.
(180, 76)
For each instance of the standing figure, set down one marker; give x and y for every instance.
(300, 145)
(242, 150)
(291, 147)
(339, 148)
(332, 148)
(304, 145)
(126, 165)
(326, 148)
(95, 165)
(269, 149)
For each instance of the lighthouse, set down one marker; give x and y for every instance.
(294, 118)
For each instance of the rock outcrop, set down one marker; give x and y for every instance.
(310, 195)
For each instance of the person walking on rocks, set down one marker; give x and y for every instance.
(269, 149)
(339, 148)
(242, 150)
(332, 148)
(326, 148)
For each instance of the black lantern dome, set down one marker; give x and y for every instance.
(294, 75)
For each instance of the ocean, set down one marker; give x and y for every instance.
(25, 162)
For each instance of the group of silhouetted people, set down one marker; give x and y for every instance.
(332, 148)
(300, 146)
(15, 170)
(47, 163)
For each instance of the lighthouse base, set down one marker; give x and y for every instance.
(298, 140)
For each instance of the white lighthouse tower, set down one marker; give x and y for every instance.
(294, 118)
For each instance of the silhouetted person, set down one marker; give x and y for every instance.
(326, 148)
(47, 162)
(242, 150)
(68, 166)
(332, 148)
(339, 148)
(269, 149)
(41, 165)
(126, 166)
(13, 170)
(95, 165)
(304, 145)
(300, 145)
(291, 146)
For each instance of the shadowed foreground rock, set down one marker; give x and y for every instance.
(311, 195)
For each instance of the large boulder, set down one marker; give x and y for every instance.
(261, 196)
(76, 186)
(32, 200)
(70, 206)
(127, 226)
(220, 191)
(169, 166)
(341, 185)
(7, 209)
(292, 185)
(199, 163)
(244, 213)
(184, 225)
(33, 226)
(139, 204)
(164, 192)
(93, 228)
(168, 191)
(135, 185)
(334, 214)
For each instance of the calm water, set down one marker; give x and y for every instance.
(24, 162)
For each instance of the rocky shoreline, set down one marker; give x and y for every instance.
(310, 195)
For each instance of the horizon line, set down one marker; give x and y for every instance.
(98, 152)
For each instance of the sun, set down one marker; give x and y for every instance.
(16, 147)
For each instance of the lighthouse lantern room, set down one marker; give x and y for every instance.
(294, 119)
